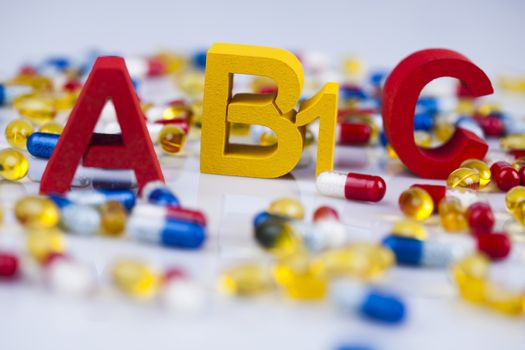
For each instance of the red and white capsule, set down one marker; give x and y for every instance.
(352, 186)
(156, 212)
(353, 133)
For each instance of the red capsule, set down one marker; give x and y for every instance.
(492, 126)
(495, 245)
(325, 212)
(72, 85)
(504, 175)
(480, 218)
(173, 273)
(437, 192)
(8, 265)
(359, 187)
(156, 67)
(521, 173)
(354, 133)
(184, 214)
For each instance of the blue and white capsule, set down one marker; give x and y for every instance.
(157, 192)
(8, 93)
(469, 124)
(168, 232)
(414, 252)
(77, 218)
(42, 144)
(99, 197)
(373, 304)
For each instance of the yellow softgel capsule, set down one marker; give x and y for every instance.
(505, 301)
(247, 280)
(470, 275)
(287, 207)
(13, 164)
(192, 83)
(196, 108)
(268, 138)
(362, 260)
(511, 142)
(465, 106)
(488, 108)
(416, 203)
(299, 280)
(452, 215)
(113, 218)
(135, 278)
(178, 111)
(519, 213)
(409, 229)
(64, 100)
(17, 132)
(464, 178)
(514, 197)
(52, 128)
(481, 168)
(518, 163)
(278, 237)
(443, 131)
(41, 243)
(37, 212)
(353, 66)
(423, 139)
(171, 139)
(38, 108)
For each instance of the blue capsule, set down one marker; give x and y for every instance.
(199, 60)
(414, 252)
(60, 63)
(98, 197)
(428, 104)
(42, 144)
(349, 92)
(423, 121)
(169, 232)
(384, 307)
(377, 78)
(3, 98)
(156, 192)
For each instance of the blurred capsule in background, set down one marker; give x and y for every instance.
(41, 243)
(157, 192)
(37, 212)
(9, 265)
(13, 164)
(247, 280)
(76, 218)
(416, 203)
(287, 207)
(113, 217)
(480, 218)
(452, 215)
(135, 278)
(101, 196)
(409, 229)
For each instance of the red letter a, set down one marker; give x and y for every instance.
(109, 79)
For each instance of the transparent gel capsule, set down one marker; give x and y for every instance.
(39, 108)
(464, 178)
(135, 278)
(513, 197)
(171, 139)
(246, 280)
(505, 301)
(410, 229)
(287, 207)
(42, 243)
(362, 260)
(113, 218)
(298, 278)
(452, 215)
(482, 169)
(52, 128)
(470, 275)
(17, 132)
(277, 237)
(268, 138)
(416, 203)
(37, 212)
(13, 164)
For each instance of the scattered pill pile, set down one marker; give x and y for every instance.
(311, 259)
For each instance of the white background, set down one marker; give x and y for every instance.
(382, 32)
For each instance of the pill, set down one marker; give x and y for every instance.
(480, 218)
(452, 215)
(353, 134)
(99, 197)
(414, 252)
(246, 280)
(8, 265)
(170, 211)
(157, 192)
(17, 132)
(67, 276)
(416, 203)
(135, 278)
(373, 303)
(8, 93)
(37, 212)
(169, 232)
(496, 246)
(41, 145)
(352, 186)
(13, 164)
(504, 175)
(81, 219)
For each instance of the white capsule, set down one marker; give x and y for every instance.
(80, 219)
(70, 277)
(183, 295)
(331, 183)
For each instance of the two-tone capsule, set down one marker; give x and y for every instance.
(8, 93)
(77, 218)
(352, 186)
(157, 212)
(372, 303)
(169, 232)
(98, 197)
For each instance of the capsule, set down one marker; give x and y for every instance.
(496, 246)
(414, 252)
(463, 178)
(99, 197)
(353, 134)
(77, 218)
(41, 144)
(135, 278)
(17, 132)
(480, 218)
(169, 232)
(469, 124)
(277, 237)
(504, 175)
(436, 192)
(481, 168)
(416, 203)
(352, 186)
(423, 122)
(492, 126)
(37, 212)
(113, 217)
(325, 212)
(8, 265)
(247, 280)
(287, 207)
(156, 212)
(13, 164)
(8, 93)
(140, 67)
(452, 215)
(470, 275)
(372, 303)
(67, 276)
(409, 229)
(514, 197)
(86, 176)
(157, 192)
